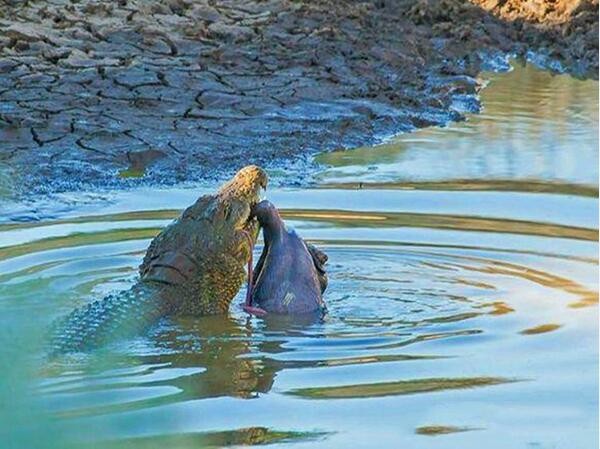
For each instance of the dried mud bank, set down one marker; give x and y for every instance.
(94, 94)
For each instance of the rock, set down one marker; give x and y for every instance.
(80, 59)
(230, 33)
(205, 12)
(29, 32)
(6, 65)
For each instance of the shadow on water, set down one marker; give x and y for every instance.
(442, 430)
(253, 436)
(399, 388)
(193, 359)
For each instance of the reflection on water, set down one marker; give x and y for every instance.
(461, 310)
(398, 388)
(534, 126)
(248, 436)
(441, 430)
(541, 329)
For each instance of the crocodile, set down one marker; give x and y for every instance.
(193, 267)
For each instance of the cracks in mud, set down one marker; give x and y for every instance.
(214, 85)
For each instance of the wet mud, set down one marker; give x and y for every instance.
(115, 94)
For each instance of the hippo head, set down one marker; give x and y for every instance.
(268, 217)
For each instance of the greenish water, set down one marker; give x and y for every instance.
(463, 301)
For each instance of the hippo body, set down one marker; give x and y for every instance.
(289, 277)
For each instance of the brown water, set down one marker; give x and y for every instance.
(463, 301)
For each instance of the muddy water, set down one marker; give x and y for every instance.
(463, 301)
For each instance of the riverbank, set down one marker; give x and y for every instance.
(127, 93)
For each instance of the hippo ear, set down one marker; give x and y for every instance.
(318, 256)
(319, 259)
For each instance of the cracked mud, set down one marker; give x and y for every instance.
(111, 94)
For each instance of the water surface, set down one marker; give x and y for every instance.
(463, 301)
(534, 127)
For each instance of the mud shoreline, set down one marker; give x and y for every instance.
(117, 94)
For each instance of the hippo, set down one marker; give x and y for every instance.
(289, 278)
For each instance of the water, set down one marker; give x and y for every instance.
(463, 301)
(534, 127)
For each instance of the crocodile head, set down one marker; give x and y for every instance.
(200, 258)
(235, 224)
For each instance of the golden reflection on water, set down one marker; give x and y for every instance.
(541, 329)
(586, 297)
(333, 217)
(498, 308)
(399, 388)
(442, 430)
(78, 239)
(476, 185)
(437, 221)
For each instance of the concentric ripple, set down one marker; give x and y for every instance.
(421, 304)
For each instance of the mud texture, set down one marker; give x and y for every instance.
(111, 94)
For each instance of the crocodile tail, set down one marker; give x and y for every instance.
(116, 316)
